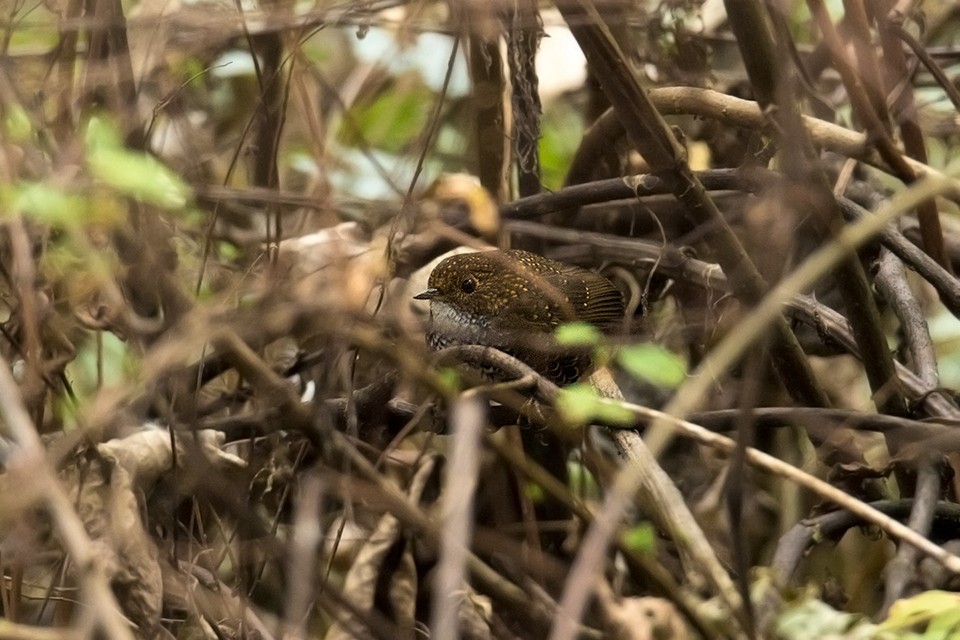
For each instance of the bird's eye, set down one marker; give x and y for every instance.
(468, 285)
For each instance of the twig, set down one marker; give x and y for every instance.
(753, 325)
(922, 513)
(801, 478)
(305, 540)
(731, 348)
(721, 179)
(903, 108)
(745, 113)
(892, 283)
(485, 577)
(831, 323)
(775, 83)
(793, 545)
(946, 285)
(650, 135)
(461, 477)
(94, 582)
(662, 499)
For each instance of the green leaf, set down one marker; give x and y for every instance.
(448, 380)
(135, 174)
(534, 492)
(582, 483)
(813, 620)
(642, 538)
(562, 133)
(578, 334)
(101, 135)
(228, 251)
(943, 625)
(653, 363)
(48, 204)
(579, 404)
(139, 176)
(113, 358)
(392, 120)
(17, 124)
(939, 608)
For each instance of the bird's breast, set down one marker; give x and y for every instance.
(451, 325)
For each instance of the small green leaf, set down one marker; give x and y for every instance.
(48, 204)
(17, 124)
(653, 363)
(112, 359)
(391, 120)
(582, 483)
(135, 174)
(579, 404)
(939, 606)
(943, 625)
(534, 492)
(101, 135)
(578, 334)
(448, 380)
(562, 131)
(642, 538)
(140, 176)
(813, 619)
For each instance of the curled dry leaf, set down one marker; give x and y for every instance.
(147, 453)
(451, 192)
(646, 619)
(136, 580)
(103, 491)
(106, 491)
(385, 561)
(345, 256)
(474, 614)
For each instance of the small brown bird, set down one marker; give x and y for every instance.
(513, 300)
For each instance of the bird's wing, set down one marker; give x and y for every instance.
(592, 297)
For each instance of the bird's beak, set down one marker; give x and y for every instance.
(429, 294)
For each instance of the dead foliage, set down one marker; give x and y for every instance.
(219, 415)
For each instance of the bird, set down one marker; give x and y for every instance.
(514, 300)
